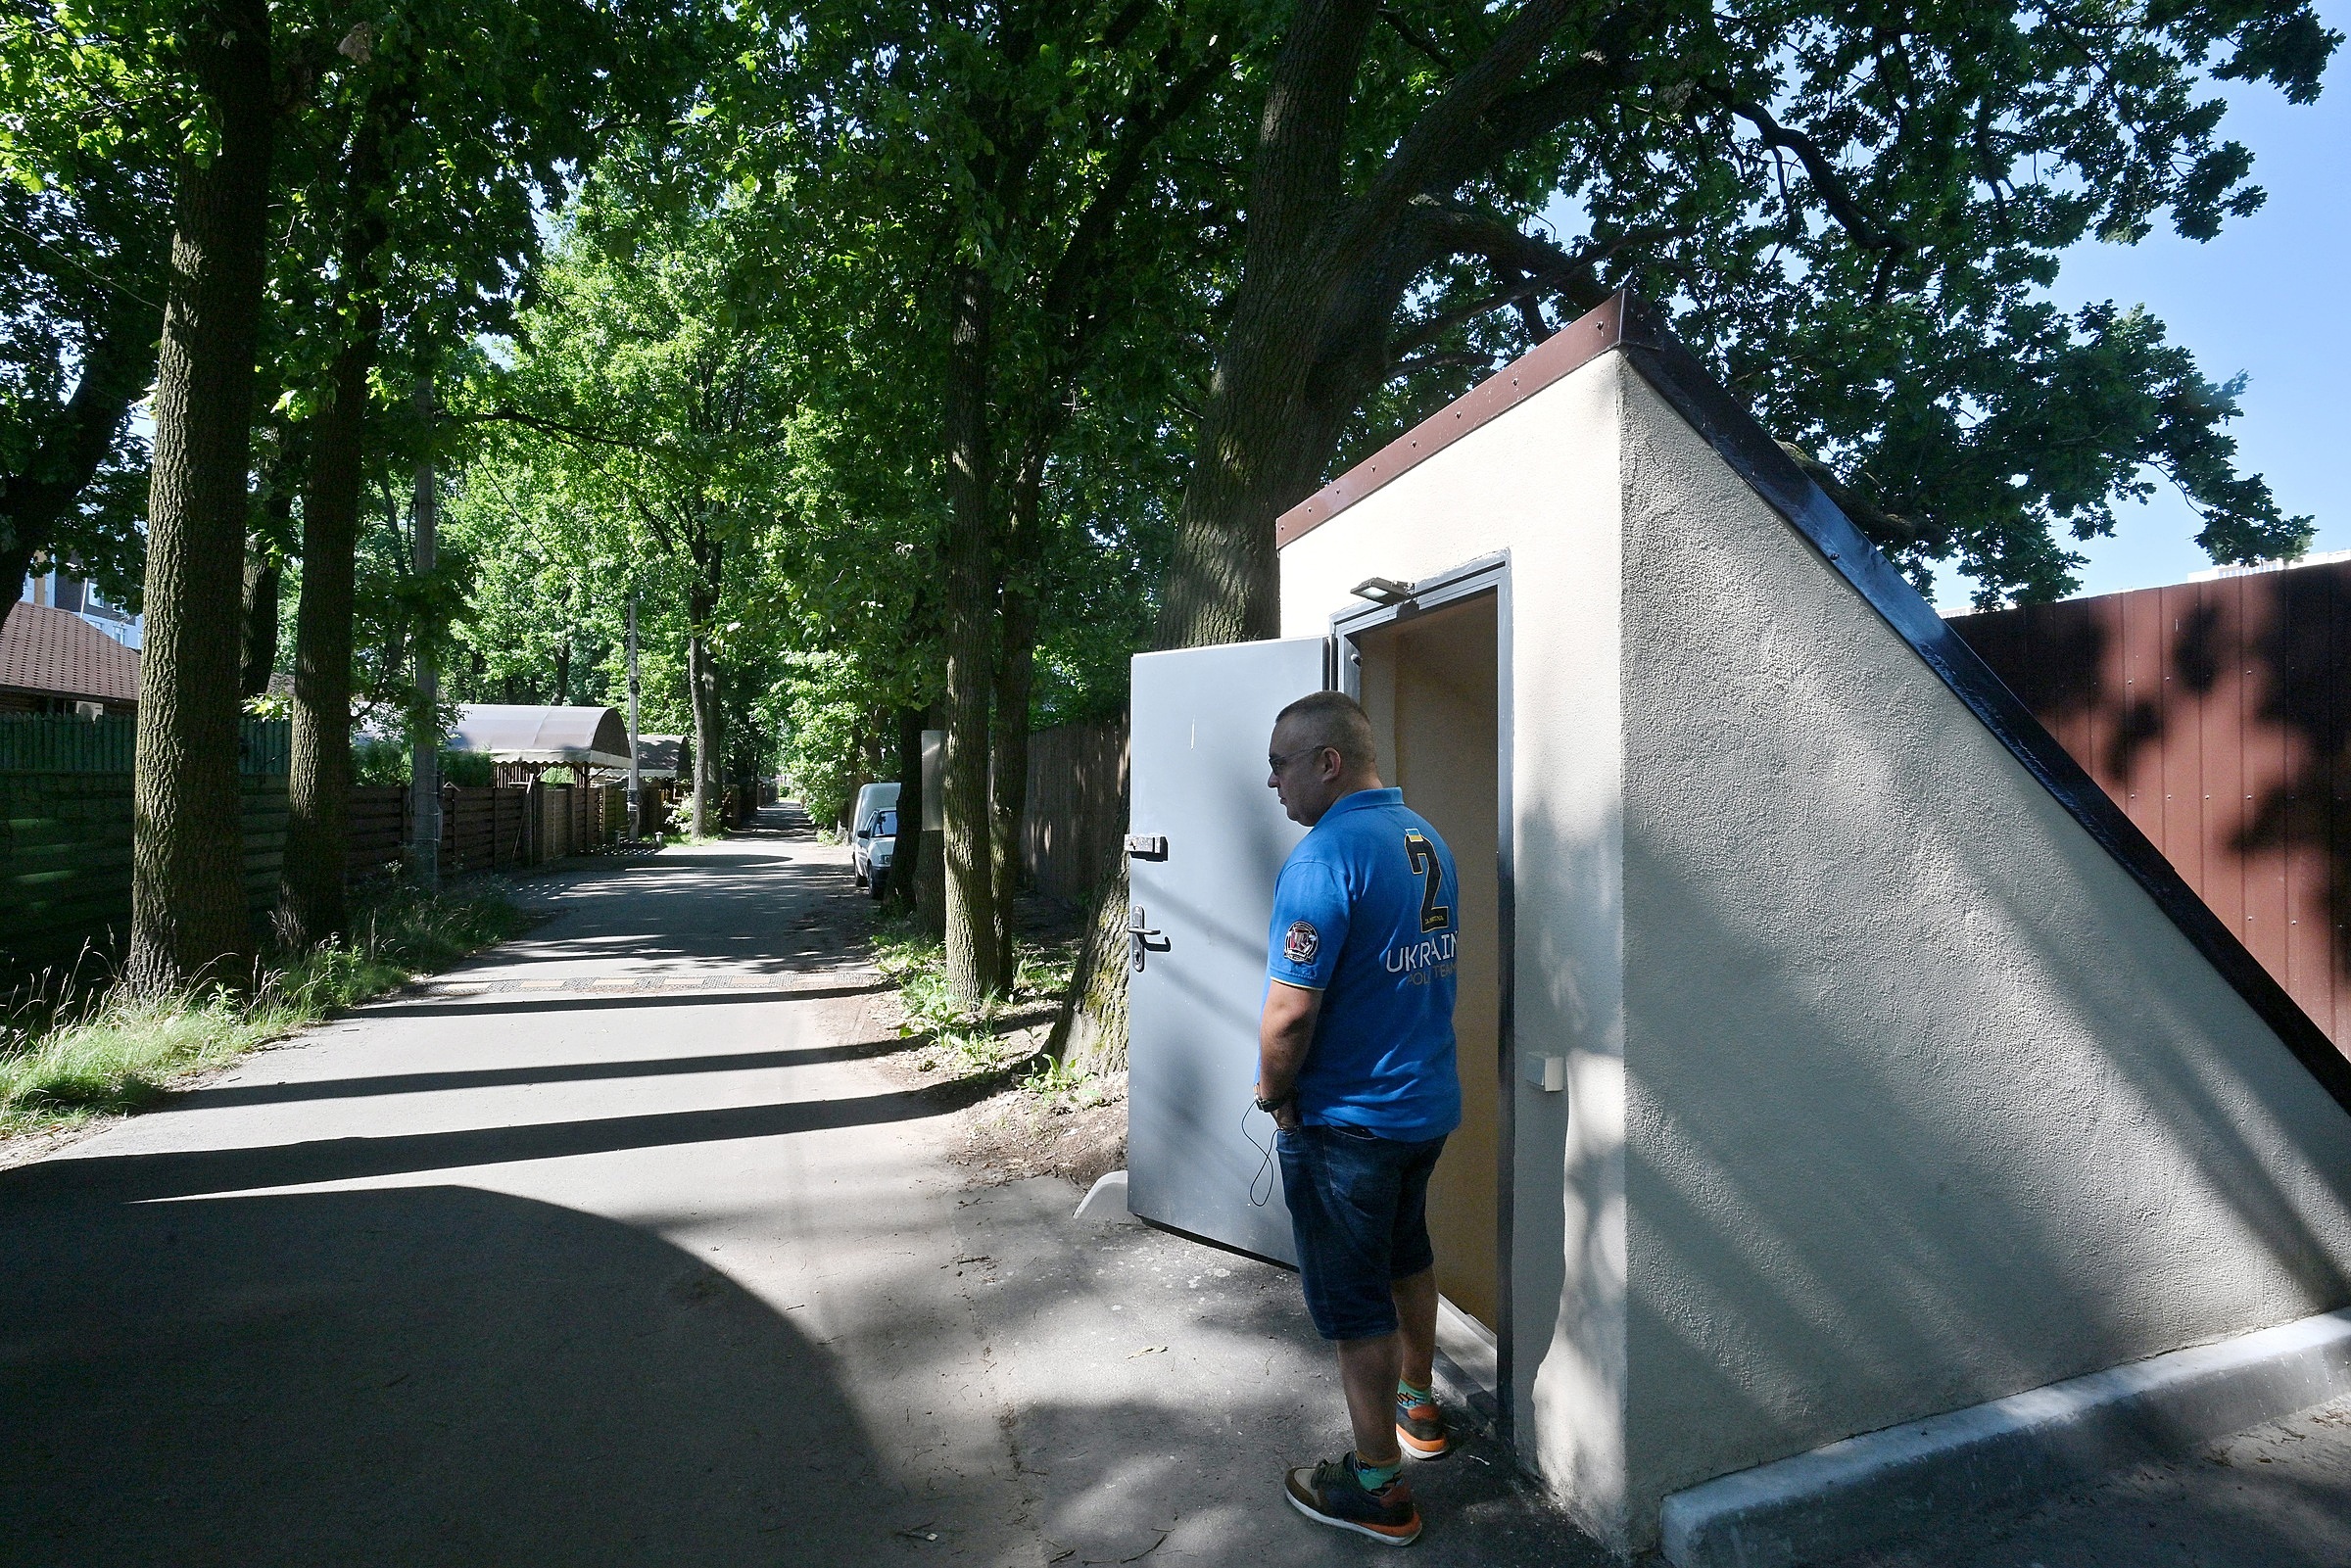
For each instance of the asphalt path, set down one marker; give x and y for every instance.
(618, 1246)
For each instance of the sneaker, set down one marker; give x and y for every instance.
(1420, 1430)
(1328, 1494)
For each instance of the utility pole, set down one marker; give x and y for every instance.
(424, 756)
(634, 782)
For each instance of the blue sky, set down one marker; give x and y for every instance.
(2272, 297)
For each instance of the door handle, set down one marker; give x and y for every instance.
(1141, 937)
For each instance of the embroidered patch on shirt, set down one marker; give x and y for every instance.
(1301, 943)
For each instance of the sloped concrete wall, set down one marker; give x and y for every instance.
(1926, 1101)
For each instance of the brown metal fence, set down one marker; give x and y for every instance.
(2216, 715)
(1077, 812)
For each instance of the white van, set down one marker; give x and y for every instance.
(872, 802)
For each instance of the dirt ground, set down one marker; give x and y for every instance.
(1016, 1135)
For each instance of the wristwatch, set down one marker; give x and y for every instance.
(1268, 1106)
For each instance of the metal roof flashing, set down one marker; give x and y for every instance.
(1625, 323)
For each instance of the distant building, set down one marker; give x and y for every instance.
(60, 589)
(54, 661)
(657, 755)
(2213, 574)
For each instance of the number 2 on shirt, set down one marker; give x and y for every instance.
(1435, 917)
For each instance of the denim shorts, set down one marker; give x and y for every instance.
(1359, 1208)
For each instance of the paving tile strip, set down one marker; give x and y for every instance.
(633, 985)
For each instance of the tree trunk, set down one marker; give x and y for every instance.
(1015, 675)
(1090, 1034)
(906, 857)
(256, 647)
(310, 903)
(311, 908)
(975, 938)
(702, 676)
(1008, 759)
(15, 564)
(1261, 446)
(189, 916)
(701, 682)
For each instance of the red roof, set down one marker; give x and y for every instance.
(60, 654)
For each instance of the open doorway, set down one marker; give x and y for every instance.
(1430, 681)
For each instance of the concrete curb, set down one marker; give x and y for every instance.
(1467, 1348)
(1882, 1485)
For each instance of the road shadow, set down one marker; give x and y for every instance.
(752, 912)
(179, 1173)
(220, 1094)
(421, 1375)
(508, 1003)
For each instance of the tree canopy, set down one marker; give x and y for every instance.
(913, 363)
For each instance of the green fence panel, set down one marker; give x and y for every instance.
(46, 743)
(51, 744)
(64, 859)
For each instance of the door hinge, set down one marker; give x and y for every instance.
(1141, 937)
(1148, 847)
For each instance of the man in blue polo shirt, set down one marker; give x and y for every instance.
(1356, 1063)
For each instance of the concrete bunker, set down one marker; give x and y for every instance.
(1843, 1057)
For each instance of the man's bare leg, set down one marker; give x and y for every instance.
(1369, 1369)
(1417, 1310)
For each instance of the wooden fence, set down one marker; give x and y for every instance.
(2218, 715)
(1077, 816)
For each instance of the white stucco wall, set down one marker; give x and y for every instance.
(1541, 480)
(1926, 1101)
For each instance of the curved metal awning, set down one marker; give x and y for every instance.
(593, 737)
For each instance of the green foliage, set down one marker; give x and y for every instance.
(959, 1043)
(1854, 219)
(635, 440)
(377, 760)
(468, 770)
(119, 1052)
(956, 1040)
(829, 735)
(84, 220)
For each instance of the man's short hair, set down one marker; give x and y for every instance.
(1336, 720)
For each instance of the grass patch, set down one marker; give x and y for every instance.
(114, 1051)
(963, 1042)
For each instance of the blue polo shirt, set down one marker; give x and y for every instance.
(1368, 912)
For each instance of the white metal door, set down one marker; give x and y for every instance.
(1207, 839)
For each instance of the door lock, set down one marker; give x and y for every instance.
(1141, 937)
